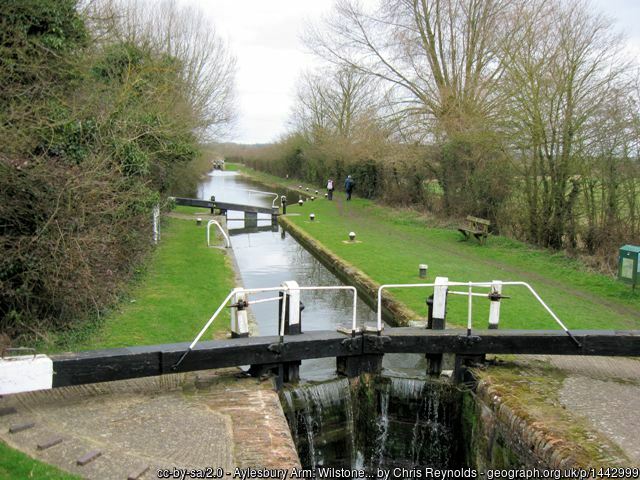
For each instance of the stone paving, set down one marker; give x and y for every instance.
(606, 392)
(198, 420)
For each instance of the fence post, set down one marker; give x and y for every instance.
(156, 224)
(283, 203)
(436, 320)
(213, 200)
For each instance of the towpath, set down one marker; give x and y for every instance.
(600, 392)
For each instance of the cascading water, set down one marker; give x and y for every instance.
(383, 427)
(322, 422)
(385, 422)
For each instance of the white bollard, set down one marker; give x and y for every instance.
(422, 270)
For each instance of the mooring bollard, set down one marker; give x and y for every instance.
(300, 202)
(198, 221)
(312, 217)
(422, 270)
(352, 236)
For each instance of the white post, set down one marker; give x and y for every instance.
(239, 318)
(440, 298)
(494, 306)
(292, 291)
(156, 224)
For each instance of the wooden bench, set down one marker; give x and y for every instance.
(478, 227)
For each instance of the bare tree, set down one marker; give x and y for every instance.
(343, 103)
(441, 54)
(207, 67)
(563, 66)
(442, 58)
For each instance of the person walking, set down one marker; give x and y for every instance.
(348, 186)
(330, 189)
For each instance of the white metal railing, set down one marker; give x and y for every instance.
(282, 288)
(224, 234)
(470, 294)
(275, 195)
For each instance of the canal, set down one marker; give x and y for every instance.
(268, 258)
(401, 422)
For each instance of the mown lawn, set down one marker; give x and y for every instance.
(394, 242)
(179, 290)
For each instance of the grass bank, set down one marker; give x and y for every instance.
(169, 300)
(182, 286)
(393, 242)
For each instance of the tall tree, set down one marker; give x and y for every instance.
(563, 66)
(207, 68)
(443, 58)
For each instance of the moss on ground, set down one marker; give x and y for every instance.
(531, 390)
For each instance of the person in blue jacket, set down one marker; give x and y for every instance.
(348, 186)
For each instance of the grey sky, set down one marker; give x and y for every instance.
(265, 38)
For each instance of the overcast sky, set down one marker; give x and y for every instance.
(265, 38)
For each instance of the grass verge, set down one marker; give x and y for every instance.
(393, 242)
(16, 465)
(182, 286)
(168, 301)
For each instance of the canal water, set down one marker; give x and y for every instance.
(268, 258)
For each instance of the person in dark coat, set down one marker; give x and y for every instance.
(348, 186)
